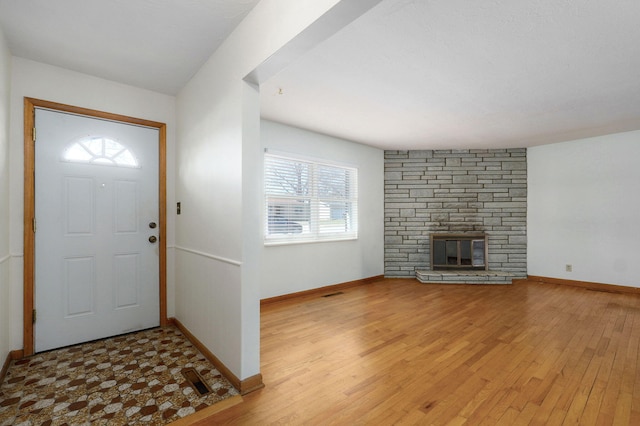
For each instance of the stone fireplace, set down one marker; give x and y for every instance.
(475, 195)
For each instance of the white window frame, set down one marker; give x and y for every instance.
(312, 229)
(93, 150)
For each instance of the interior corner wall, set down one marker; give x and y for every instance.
(41, 81)
(5, 254)
(217, 297)
(298, 267)
(584, 209)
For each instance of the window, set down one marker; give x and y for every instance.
(309, 201)
(100, 150)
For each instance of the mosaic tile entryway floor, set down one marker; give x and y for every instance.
(131, 379)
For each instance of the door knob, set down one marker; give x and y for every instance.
(153, 239)
(152, 225)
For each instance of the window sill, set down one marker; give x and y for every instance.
(272, 243)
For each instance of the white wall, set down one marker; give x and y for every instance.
(584, 210)
(36, 80)
(218, 253)
(298, 267)
(5, 295)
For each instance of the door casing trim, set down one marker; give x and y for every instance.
(30, 105)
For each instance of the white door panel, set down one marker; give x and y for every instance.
(96, 272)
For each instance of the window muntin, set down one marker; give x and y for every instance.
(100, 150)
(309, 201)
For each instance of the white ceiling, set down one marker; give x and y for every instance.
(409, 74)
(152, 44)
(434, 74)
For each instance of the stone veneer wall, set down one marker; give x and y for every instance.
(455, 191)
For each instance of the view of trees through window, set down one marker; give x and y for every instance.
(307, 200)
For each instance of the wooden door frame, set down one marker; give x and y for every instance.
(30, 105)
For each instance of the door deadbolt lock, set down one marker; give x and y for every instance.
(153, 239)
(152, 225)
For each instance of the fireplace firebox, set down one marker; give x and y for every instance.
(459, 251)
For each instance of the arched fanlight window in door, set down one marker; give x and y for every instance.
(100, 150)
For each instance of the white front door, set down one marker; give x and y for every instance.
(96, 205)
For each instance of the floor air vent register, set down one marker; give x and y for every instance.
(196, 381)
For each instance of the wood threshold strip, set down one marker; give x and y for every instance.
(245, 386)
(209, 411)
(609, 288)
(322, 290)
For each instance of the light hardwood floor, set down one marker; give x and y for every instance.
(401, 352)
